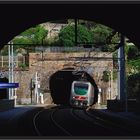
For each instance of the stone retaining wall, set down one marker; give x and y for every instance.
(46, 68)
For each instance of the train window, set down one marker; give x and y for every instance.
(80, 88)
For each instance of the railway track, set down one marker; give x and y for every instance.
(77, 127)
(112, 124)
(52, 119)
(58, 125)
(34, 122)
(82, 115)
(62, 121)
(112, 127)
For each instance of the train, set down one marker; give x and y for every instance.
(82, 94)
(66, 88)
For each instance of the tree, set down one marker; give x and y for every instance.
(53, 41)
(67, 35)
(34, 35)
(133, 59)
(132, 52)
(100, 33)
(40, 34)
(105, 36)
(4, 50)
(133, 85)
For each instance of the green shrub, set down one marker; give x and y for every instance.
(67, 35)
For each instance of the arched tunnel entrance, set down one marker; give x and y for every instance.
(68, 79)
(60, 82)
(60, 85)
(106, 17)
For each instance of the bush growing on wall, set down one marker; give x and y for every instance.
(106, 75)
(133, 86)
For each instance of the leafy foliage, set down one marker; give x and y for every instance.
(33, 35)
(102, 34)
(134, 66)
(133, 59)
(133, 69)
(4, 51)
(132, 52)
(115, 60)
(133, 88)
(106, 75)
(23, 66)
(23, 41)
(115, 74)
(53, 41)
(67, 35)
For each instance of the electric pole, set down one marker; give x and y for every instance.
(121, 75)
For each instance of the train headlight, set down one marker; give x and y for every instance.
(81, 104)
(76, 102)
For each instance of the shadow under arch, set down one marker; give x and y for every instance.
(111, 15)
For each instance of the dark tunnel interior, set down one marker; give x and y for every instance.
(60, 85)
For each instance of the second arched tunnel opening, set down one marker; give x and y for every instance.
(61, 82)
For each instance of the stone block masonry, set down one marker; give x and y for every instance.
(47, 63)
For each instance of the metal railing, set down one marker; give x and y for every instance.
(18, 61)
(66, 49)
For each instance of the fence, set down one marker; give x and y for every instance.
(66, 49)
(18, 61)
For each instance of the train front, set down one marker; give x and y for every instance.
(82, 94)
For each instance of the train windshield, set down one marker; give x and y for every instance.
(80, 88)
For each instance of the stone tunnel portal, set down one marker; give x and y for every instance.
(60, 85)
